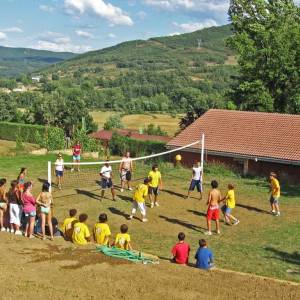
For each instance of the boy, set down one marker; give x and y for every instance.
(155, 182)
(106, 180)
(229, 206)
(140, 193)
(81, 234)
(59, 170)
(204, 256)
(125, 170)
(123, 239)
(181, 250)
(67, 226)
(214, 197)
(275, 194)
(196, 180)
(101, 231)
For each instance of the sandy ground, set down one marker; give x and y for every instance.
(58, 270)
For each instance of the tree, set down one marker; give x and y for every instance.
(267, 40)
(8, 108)
(113, 122)
(190, 117)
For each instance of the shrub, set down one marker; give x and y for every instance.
(113, 122)
(88, 144)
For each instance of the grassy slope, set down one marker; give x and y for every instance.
(261, 244)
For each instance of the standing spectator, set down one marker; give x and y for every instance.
(76, 155)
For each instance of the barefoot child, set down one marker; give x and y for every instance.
(81, 234)
(3, 202)
(204, 256)
(139, 196)
(21, 179)
(275, 194)
(229, 206)
(68, 224)
(125, 170)
(181, 250)
(45, 200)
(123, 239)
(214, 197)
(101, 231)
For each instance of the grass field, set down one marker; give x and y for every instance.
(9, 147)
(139, 121)
(261, 244)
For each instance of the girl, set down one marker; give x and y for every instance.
(15, 207)
(29, 209)
(59, 170)
(3, 202)
(21, 179)
(45, 200)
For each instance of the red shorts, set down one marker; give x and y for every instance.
(213, 214)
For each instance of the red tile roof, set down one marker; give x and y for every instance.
(250, 134)
(106, 135)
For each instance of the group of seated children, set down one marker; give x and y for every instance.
(181, 252)
(77, 231)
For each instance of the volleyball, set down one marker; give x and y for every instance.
(178, 157)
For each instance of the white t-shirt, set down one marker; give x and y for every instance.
(106, 171)
(59, 165)
(197, 173)
(126, 162)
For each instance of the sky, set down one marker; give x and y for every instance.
(84, 25)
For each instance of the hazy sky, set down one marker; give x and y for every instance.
(83, 25)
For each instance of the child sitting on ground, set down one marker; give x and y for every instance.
(204, 256)
(68, 225)
(81, 234)
(101, 231)
(181, 250)
(123, 239)
(229, 206)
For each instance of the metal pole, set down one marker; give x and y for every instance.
(202, 156)
(49, 175)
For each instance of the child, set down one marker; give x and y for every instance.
(59, 170)
(196, 181)
(81, 234)
(21, 179)
(204, 256)
(229, 206)
(123, 239)
(68, 225)
(155, 184)
(3, 202)
(15, 208)
(125, 170)
(102, 231)
(214, 197)
(275, 194)
(29, 209)
(181, 250)
(45, 200)
(106, 180)
(139, 196)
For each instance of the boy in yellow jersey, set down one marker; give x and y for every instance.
(140, 193)
(81, 234)
(123, 239)
(67, 226)
(102, 231)
(155, 182)
(275, 194)
(229, 206)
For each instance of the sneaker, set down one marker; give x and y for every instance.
(144, 220)
(12, 231)
(208, 233)
(31, 236)
(130, 189)
(7, 229)
(236, 222)
(122, 190)
(130, 217)
(44, 238)
(278, 214)
(3, 229)
(72, 170)
(273, 212)
(151, 205)
(156, 204)
(218, 232)
(18, 232)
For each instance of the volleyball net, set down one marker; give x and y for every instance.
(87, 174)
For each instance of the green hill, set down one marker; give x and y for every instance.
(14, 61)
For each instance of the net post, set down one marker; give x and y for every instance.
(202, 151)
(49, 176)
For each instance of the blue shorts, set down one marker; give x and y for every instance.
(76, 157)
(274, 200)
(226, 210)
(153, 190)
(197, 184)
(59, 173)
(30, 214)
(106, 183)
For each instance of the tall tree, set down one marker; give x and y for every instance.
(267, 40)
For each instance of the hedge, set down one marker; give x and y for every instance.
(118, 145)
(51, 138)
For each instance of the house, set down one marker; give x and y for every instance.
(254, 143)
(36, 78)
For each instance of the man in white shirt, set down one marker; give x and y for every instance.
(125, 170)
(106, 181)
(197, 179)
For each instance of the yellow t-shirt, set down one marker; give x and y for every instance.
(140, 193)
(80, 234)
(122, 240)
(275, 187)
(155, 177)
(230, 199)
(67, 224)
(101, 233)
